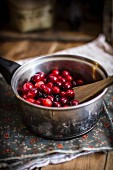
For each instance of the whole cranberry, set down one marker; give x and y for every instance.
(27, 86)
(69, 78)
(47, 90)
(59, 83)
(42, 75)
(40, 99)
(45, 80)
(63, 101)
(52, 78)
(51, 97)
(38, 84)
(67, 85)
(36, 78)
(37, 102)
(56, 104)
(24, 96)
(62, 94)
(63, 80)
(46, 102)
(31, 100)
(79, 82)
(49, 84)
(74, 102)
(60, 77)
(70, 94)
(42, 87)
(65, 73)
(55, 72)
(56, 90)
(32, 93)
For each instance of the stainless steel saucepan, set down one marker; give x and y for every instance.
(51, 122)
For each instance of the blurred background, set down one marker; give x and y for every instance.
(56, 20)
(61, 15)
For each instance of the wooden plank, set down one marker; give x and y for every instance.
(51, 35)
(90, 162)
(23, 49)
(16, 50)
(109, 162)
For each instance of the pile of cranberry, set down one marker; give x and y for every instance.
(51, 90)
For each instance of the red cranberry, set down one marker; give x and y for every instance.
(56, 104)
(70, 94)
(46, 102)
(59, 83)
(63, 100)
(63, 80)
(55, 72)
(66, 105)
(31, 100)
(38, 84)
(32, 93)
(42, 75)
(24, 96)
(40, 99)
(56, 90)
(60, 77)
(63, 94)
(37, 102)
(65, 73)
(79, 82)
(74, 102)
(36, 78)
(49, 84)
(52, 78)
(42, 87)
(26, 87)
(51, 97)
(47, 90)
(69, 78)
(67, 86)
(45, 80)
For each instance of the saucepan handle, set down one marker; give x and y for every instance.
(7, 69)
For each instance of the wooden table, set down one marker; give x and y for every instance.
(20, 49)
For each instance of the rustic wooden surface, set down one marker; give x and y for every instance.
(48, 36)
(15, 50)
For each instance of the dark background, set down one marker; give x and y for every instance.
(74, 14)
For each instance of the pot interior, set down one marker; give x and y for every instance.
(89, 70)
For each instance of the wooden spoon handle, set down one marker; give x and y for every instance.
(84, 92)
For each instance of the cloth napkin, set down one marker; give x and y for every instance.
(20, 149)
